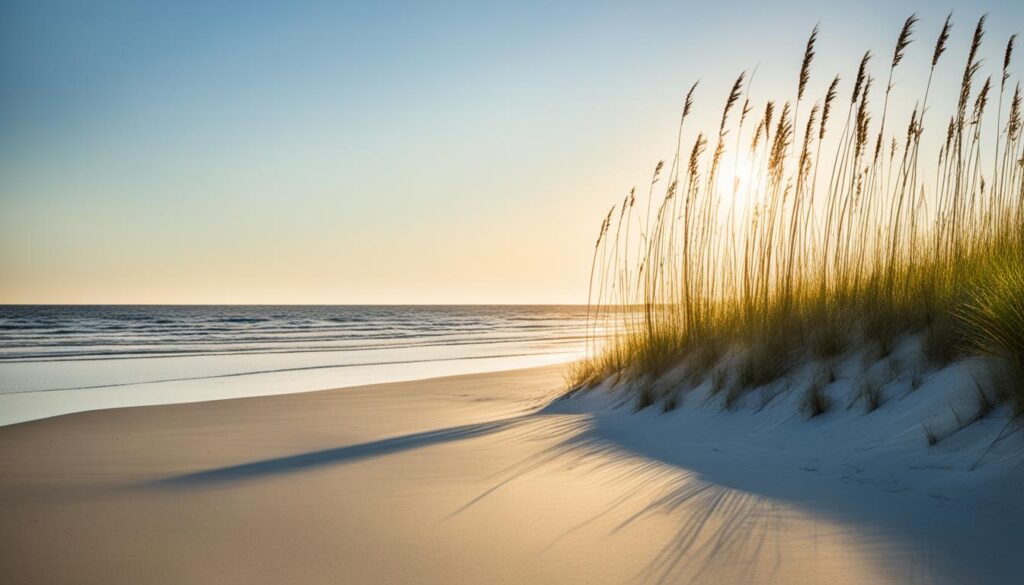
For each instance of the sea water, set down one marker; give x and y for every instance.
(60, 359)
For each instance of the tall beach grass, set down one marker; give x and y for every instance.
(802, 226)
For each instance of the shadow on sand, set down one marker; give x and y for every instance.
(732, 510)
(736, 511)
(336, 456)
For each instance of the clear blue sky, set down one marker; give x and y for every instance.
(392, 152)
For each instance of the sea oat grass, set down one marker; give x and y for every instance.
(824, 232)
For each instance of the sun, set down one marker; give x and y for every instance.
(736, 179)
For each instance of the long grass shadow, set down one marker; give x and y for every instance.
(718, 524)
(735, 511)
(335, 456)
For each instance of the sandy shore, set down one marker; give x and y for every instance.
(451, 480)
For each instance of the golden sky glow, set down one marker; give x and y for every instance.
(316, 154)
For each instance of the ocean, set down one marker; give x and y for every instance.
(59, 359)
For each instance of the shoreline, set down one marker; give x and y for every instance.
(25, 406)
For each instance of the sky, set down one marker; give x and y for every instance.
(375, 152)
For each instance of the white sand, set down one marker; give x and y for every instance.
(463, 480)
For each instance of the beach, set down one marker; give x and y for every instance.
(465, 479)
(362, 293)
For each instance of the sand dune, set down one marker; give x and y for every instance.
(466, 479)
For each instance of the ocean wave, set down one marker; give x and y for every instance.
(58, 333)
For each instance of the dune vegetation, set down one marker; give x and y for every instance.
(803, 229)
